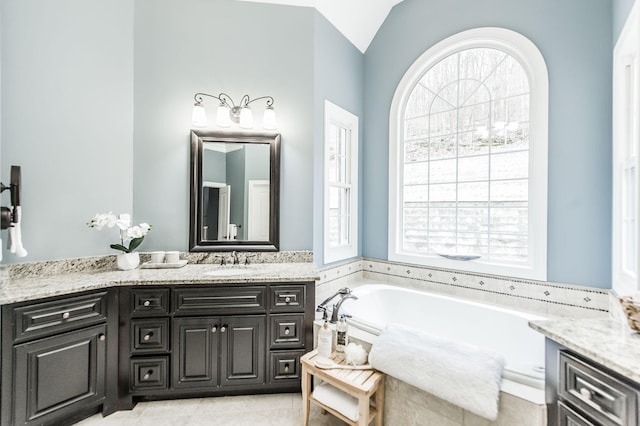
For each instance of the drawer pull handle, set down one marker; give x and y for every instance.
(147, 336)
(214, 329)
(66, 315)
(286, 368)
(586, 393)
(146, 304)
(148, 375)
(223, 328)
(287, 331)
(102, 337)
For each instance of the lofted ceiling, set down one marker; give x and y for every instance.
(358, 20)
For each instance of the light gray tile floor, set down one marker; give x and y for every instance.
(249, 410)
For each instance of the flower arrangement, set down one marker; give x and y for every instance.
(133, 235)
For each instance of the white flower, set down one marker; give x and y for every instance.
(100, 220)
(127, 232)
(124, 221)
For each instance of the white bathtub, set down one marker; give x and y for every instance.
(502, 330)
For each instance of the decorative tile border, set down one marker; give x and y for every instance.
(545, 298)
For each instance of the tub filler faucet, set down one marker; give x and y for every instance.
(344, 293)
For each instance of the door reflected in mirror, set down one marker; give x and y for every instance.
(235, 180)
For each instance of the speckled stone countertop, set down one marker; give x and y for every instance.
(605, 341)
(30, 288)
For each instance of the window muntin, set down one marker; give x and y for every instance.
(454, 125)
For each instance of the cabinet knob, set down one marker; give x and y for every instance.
(214, 329)
(223, 328)
(147, 376)
(286, 368)
(102, 337)
(66, 315)
(146, 303)
(586, 393)
(287, 299)
(147, 336)
(287, 331)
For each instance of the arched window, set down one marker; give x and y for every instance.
(468, 156)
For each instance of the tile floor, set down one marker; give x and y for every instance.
(250, 410)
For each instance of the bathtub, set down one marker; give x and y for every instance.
(502, 330)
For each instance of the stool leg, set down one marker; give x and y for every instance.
(363, 410)
(306, 391)
(380, 404)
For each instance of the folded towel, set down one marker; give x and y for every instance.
(463, 374)
(340, 401)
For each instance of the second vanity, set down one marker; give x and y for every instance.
(79, 343)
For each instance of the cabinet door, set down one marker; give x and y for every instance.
(59, 375)
(195, 352)
(242, 356)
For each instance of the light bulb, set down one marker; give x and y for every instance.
(198, 115)
(222, 116)
(269, 121)
(246, 118)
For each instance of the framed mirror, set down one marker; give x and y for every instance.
(235, 191)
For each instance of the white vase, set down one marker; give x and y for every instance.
(128, 261)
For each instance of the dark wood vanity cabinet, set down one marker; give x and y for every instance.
(218, 339)
(581, 392)
(55, 358)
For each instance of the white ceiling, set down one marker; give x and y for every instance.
(358, 20)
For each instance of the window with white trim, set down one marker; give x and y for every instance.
(468, 156)
(626, 161)
(340, 183)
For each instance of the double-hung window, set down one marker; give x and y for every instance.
(468, 157)
(341, 184)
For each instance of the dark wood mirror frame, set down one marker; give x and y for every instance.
(196, 241)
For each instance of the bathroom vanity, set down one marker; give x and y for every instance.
(127, 336)
(592, 372)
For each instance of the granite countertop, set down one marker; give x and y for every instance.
(605, 341)
(21, 289)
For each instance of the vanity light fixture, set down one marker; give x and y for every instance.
(228, 112)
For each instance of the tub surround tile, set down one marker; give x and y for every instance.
(20, 289)
(544, 298)
(605, 341)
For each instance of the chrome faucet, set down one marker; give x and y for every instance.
(234, 256)
(336, 307)
(322, 307)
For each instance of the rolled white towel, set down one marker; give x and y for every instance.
(463, 374)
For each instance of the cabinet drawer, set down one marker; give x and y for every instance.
(47, 318)
(287, 298)
(285, 366)
(220, 300)
(600, 395)
(568, 417)
(287, 331)
(149, 373)
(153, 301)
(149, 335)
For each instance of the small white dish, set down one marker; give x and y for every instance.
(151, 265)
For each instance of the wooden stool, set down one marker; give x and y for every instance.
(361, 384)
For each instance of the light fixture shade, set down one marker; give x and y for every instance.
(198, 115)
(269, 121)
(222, 116)
(246, 118)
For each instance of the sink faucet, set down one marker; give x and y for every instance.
(234, 256)
(336, 307)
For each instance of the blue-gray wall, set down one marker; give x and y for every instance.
(186, 46)
(575, 38)
(339, 78)
(621, 9)
(67, 119)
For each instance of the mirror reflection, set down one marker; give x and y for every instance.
(234, 191)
